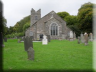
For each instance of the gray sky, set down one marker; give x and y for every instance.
(15, 10)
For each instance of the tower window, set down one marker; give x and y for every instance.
(36, 18)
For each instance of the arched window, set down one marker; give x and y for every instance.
(54, 29)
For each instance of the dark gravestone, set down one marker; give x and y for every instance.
(30, 53)
(5, 39)
(48, 37)
(28, 43)
(31, 41)
(78, 40)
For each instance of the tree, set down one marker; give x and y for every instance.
(85, 17)
(5, 26)
(27, 25)
(63, 14)
(71, 20)
(16, 27)
(10, 30)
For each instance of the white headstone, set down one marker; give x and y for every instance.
(85, 33)
(86, 38)
(44, 40)
(71, 34)
(91, 37)
(82, 38)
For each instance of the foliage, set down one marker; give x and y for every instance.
(16, 27)
(19, 25)
(5, 26)
(26, 26)
(10, 30)
(85, 17)
(63, 14)
(75, 29)
(13, 35)
(71, 20)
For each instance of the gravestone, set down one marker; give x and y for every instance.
(74, 36)
(44, 40)
(82, 38)
(71, 36)
(48, 37)
(28, 45)
(78, 40)
(30, 53)
(22, 39)
(19, 41)
(91, 37)
(5, 39)
(86, 38)
(28, 42)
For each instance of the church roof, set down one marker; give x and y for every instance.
(49, 16)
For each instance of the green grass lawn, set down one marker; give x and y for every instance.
(57, 55)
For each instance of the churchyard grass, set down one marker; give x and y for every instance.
(57, 55)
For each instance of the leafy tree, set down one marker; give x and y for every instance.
(19, 25)
(16, 27)
(5, 26)
(27, 25)
(71, 20)
(75, 29)
(85, 17)
(63, 14)
(10, 30)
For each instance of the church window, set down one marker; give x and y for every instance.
(54, 29)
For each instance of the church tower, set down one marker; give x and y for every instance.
(35, 16)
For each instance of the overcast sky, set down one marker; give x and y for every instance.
(15, 10)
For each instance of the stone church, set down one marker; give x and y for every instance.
(51, 24)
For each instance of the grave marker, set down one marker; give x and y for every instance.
(48, 37)
(44, 40)
(91, 37)
(28, 45)
(78, 40)
(71, 36)
(30, 53)
(82, 38)
(86, 38)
